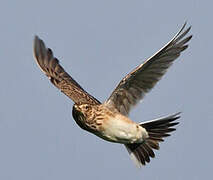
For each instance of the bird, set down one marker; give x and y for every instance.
(110, 120)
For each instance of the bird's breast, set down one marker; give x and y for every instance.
(121, 129)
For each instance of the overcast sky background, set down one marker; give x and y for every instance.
(98, 43)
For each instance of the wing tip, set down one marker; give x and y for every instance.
(184, 25)
(39, 52)
(36, 37)
(37, 46)
(36, 42)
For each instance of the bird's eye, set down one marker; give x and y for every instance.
(86, 107)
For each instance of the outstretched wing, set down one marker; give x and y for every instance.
(141, 80)
(58, 76)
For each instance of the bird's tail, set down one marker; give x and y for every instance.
(157, 130)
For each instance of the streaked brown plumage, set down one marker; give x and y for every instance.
(109, 120)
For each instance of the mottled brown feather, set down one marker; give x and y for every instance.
(58, 76)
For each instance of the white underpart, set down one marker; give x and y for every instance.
(122, 130)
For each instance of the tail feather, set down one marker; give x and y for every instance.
(157, 130)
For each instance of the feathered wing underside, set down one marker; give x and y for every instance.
(142, 79)
(58, 76)
(157, 130)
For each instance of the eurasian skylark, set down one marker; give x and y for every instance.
(109, 120)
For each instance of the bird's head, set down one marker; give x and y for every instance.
(83, 114)
(83, 109)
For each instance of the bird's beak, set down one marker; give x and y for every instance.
(76, 107)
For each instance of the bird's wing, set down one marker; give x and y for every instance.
(142, 79)
(58, 76)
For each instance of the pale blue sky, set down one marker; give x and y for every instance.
(98, 43)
